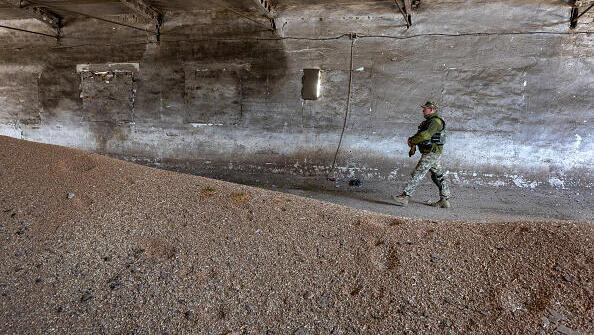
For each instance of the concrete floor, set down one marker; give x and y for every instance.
(481, 204)
(469, 203)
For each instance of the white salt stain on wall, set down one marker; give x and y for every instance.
(496, 183)
(11, 130)
(578, 141)
(196, 125)
(556, 182)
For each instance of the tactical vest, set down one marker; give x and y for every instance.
(438, 138)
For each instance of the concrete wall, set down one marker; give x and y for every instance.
(219, 92)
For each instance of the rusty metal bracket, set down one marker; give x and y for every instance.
(585, 11)
(266, 9)
(405, 10)
(575, 15)
(408, 10)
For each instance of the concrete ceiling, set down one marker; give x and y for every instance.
(250, 9)
(114, 7)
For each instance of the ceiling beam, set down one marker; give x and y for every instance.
(39, 12)
(408, 9)
(585, 11)
(575, 15)
(403, 10)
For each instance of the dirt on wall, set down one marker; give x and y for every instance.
(226, 90)
(180, 81)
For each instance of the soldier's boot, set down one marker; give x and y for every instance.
(401, 200)
(442, 203)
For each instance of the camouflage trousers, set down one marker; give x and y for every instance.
(429, 162)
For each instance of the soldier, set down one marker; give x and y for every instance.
(430, 139)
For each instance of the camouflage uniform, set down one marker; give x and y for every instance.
(430, 139)
(429, 162)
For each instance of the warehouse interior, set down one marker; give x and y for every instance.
(156, 157)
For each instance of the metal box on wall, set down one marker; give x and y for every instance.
(311, 84)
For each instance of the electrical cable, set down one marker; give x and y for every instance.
(585, 11)
(208, 39)
(403, 14)
(28, 31)
(478, 34)
(401, 10)
(294, 38)
(361, 36)
(348, 107)
(214, 39)
(329, 38)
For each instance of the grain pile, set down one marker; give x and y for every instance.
(95, 245)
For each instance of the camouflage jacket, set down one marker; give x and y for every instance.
(431, 126)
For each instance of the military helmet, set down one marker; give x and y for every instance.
(430, 104)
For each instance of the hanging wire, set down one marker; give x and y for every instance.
(348, 107)
(403, 14)
(28, 31)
